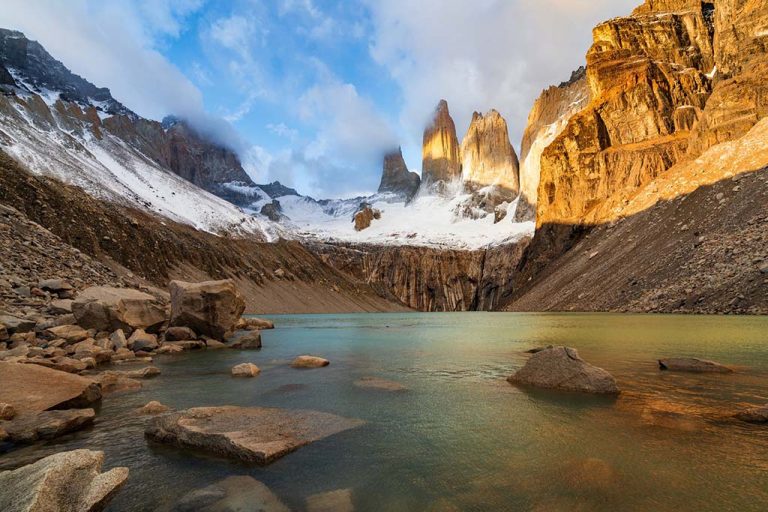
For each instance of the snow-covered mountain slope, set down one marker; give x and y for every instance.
(47, 136)
(428, 220)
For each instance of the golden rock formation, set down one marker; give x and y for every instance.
(441, 158)
(548, 118)
(648, 77)
(487, 155)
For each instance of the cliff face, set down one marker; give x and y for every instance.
(548, 118)
(648, 80)
(441, 154)
(487, 155)
(429, 279)
(396, 178)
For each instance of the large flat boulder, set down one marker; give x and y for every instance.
(64, 482)
(211, 308)
(107, 309)
(257, 435)
(562, 368)
(34, 388)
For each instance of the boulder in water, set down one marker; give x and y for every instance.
(211, 308)
(252, 434)
(245, 370)
(34, 388)
(30, 427)
(66, 482)
(692, 364)
(230, 494)
(310, 362)
(561, 368)
(754, 414)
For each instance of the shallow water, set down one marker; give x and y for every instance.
(461, 437)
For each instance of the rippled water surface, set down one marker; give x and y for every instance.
(461, 437)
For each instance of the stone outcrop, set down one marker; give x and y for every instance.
(106, 308)
(250, 434)
(561, 368)
(31, 427)
(488, 157)
(365, 216)
(64, 482)
(548, 118)
(441, 153)
(692, 364)
(211, 308)
(33, 388)
(648, 80)
(396, 178)
(248, 341)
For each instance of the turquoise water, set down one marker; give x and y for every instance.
(461, 437)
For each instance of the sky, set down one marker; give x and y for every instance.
(313, 92)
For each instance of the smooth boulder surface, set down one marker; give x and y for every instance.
(245, 370)
(30, 427)
(236, 493)
(257, 435)
(754, 415)
(69, 333)
(561, 368)
(34, 388)
(248, 341)
(64, 482)
(180, 334)
(692, 364)
(107, 309)
(211, 308)
(310, 362)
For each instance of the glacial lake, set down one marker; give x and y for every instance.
(461, 437)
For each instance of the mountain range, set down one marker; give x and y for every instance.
(640, 186)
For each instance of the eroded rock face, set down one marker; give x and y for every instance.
(648, 79)
(64, 482)
(107, 309)
(547, 119)
(396, 178)
(211, 308)
(561, 368)
(487, 155)
(251, 434)
(441, 154)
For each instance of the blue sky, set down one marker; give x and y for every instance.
(312, 92)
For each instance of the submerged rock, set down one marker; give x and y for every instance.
(30, 427)
(252, 434)
(381, 384)
(333, 501)
(245, 370)
(64, 482)
(231, 494)
(562, 368)
(152, 408)
(310, 362)
(211, 308)
(692, 364)
(34, 388)
(754, 415)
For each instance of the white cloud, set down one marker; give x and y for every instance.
(482, 54)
